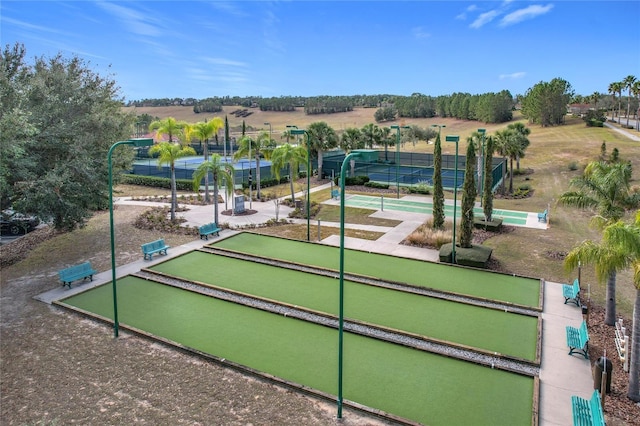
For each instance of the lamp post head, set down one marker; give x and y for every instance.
(438, 125)
(267, 124)
(452, 138)
(482, 131)
(291, 126)
(140, 142)
(297, 131)
(395, 126)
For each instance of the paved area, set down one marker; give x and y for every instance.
(561, 375)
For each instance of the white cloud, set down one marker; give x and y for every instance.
(463, 15)
(420, 33)
(528, 12)
(136, 22)
(512, 76)
(224, 62)
(484, 18)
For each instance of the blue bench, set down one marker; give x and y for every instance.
(571, 292)
(209, 229)
(72, 273)
(157, 246)
(587, 412)
(335, 193)
(578, 340)
(542, 217)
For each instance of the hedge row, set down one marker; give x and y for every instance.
(156, 182)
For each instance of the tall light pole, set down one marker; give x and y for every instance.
(270, 130)
(481, 164)
(453, 138)
(296, 131)
(395, 126)
(343, 172)
(134, 142)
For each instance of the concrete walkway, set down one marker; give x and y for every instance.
(561, 375)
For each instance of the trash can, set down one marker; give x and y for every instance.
(602, 364)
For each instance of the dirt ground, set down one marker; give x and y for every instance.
(58, 368)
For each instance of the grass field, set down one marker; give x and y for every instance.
(426, 388)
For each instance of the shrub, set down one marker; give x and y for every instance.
(352, 180)
(376, 185)
(156, 182)
(573, 166)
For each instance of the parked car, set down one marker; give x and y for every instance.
(14, 223)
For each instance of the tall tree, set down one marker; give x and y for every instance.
(501, 147)
(546, 102)
(371, 135)
(351, 139)
(222, 172)
(204, 131)
(521, 138)
(289, 156)
(468, 198)
(615, 89)
(605, 190)
(628, 84)
(168, 153)
(487, 196)
(627, 238)
(58, 120)
(438, 191)
(259, 147)
(167, 126)
(322, 138)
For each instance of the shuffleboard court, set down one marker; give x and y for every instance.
(509, 217)
(472, 282)
(419, 386)
(491, 330)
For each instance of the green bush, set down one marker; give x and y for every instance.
(156, 182)
(594, 123)
(266, 183)
(376, 185)
(352, 180)
(573, 166)
(477, 256)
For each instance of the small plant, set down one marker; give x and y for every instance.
(573, 166)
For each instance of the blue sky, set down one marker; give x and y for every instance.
(199, 49)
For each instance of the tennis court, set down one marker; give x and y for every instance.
(413, 384)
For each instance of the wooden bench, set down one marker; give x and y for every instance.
(571, 292)
(542, 217)
(587, 411)
(72, 273)
(157, 246)
(578, 340)
(209, 229)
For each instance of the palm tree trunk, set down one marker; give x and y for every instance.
(205, 151)
(258, 176)
(634, 365)
(511, 175)
(174, 193)
(610, 303)
(215, 199)
(293, 194)
(319, 165)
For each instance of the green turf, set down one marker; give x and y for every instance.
(509, 217)
(488, 329)
(423, 387)
(489, 285)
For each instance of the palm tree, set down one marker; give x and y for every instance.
(510, 143)
(595, 97)
(386, 139)
(351, 139)
(501, 142)
(615, 88)
(322, 138)
(167, 126)
(204, 130)
(522, 132)
(628, 83)
(168, 154)
(371, 135)
(261, 146)
(290, 156)
(636, 91)
(221, 171)
(604, 188)
(627, 237)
